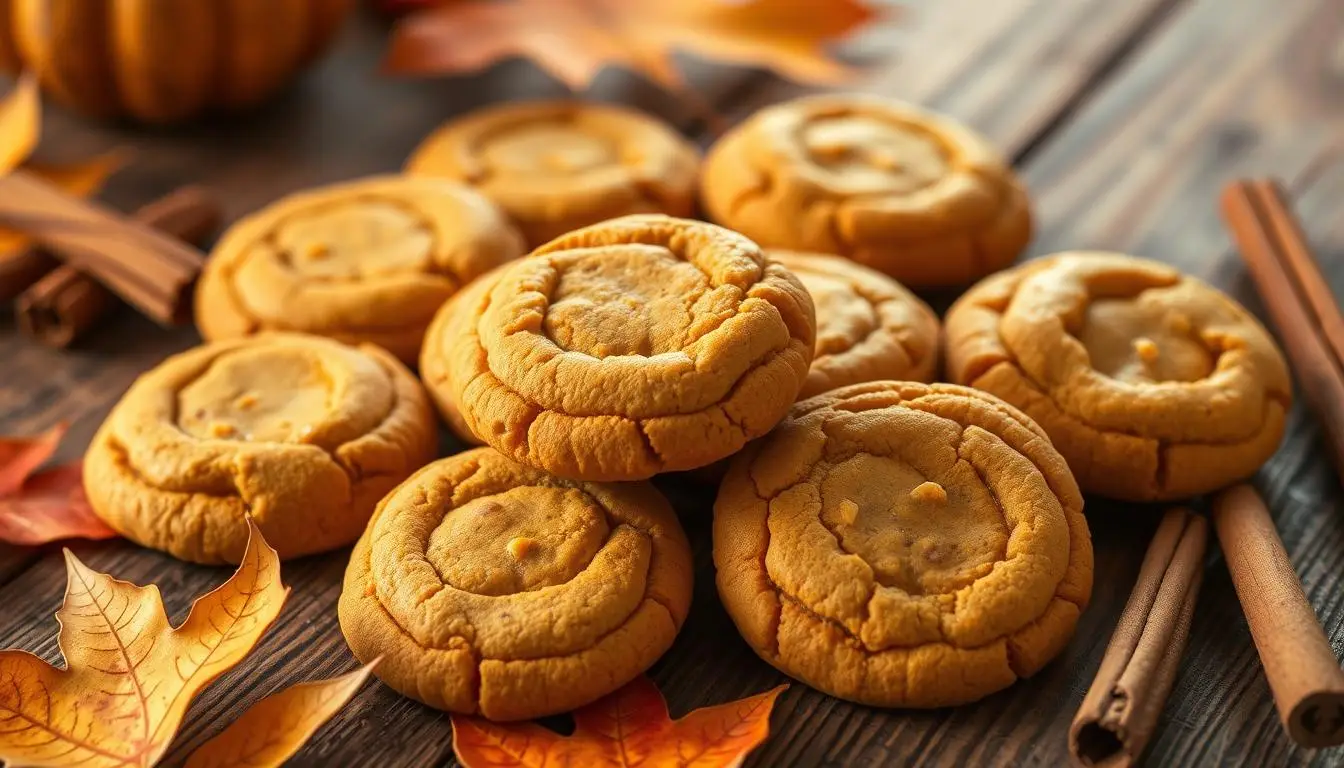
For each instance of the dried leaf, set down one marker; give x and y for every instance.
(40, 507)
(629, 727)
(20, 122)
(21, 456)
(130, 676)
(82, 179)
(575, 39)
(279, 725)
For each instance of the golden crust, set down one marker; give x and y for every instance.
(556, 166)
(869, 327)
(363, 261)
(1153, 385)
(302, 433)
(641, 345)
(905, 191)
(495, 589)
(903, 544)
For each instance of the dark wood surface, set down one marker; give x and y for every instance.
(1125, 118)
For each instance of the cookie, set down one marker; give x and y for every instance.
(495, 589)
(905, 545)
(364, 261)
(449, 323)
(905, 191)
(869, 327)
(1153, 385)
(641, 345)
(304, 434)
(556, 166)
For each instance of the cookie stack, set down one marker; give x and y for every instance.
(886, 539)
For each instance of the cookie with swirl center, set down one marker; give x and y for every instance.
(1154, 385)
(363, 261)
(495, 589)
(902, 544)
(894, 187)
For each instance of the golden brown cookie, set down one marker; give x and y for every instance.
(902, 544)
(869, 327)
(364, 261)
(448, 324)
(1152, 384)
(556, 166)
(641, 345)
(304, 434)
(907, 192)
(496, 589)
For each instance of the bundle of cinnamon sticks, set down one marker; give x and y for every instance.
(84, 255)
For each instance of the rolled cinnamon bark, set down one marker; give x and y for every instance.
(66, 303)
(1302, 670)
(1120, 711)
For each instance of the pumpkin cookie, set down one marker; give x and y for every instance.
(366, 261)
(907, 192)
(556, 166)
(1152, 384)
(304, 434)
(434, 369)
(903, 544)
(495, 589)
(869, 327)
(641, 345)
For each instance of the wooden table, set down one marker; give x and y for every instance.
(1125, 118)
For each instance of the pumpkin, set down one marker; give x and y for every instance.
(164, 61)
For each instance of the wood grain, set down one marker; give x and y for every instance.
(1125, 118)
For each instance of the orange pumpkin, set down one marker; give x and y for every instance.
(163, 61)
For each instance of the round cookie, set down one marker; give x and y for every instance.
(869, 327)
(641, 345)
(1153, 385)
(304, 434)
(907, 192)
(496, 589)
(364, 261)
(556, 166)
(902, 544)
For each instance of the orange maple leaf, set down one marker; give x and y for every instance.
(629, 727)
(574, 39)
(39, 507)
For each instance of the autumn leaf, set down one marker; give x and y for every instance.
(39, 507)
(629, 727)
(20, 122)
(278, 725)
(129, 675)
(575, 39)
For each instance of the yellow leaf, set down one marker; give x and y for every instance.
(20, 122)
(276, 727)
(129, 675)
(575, 39)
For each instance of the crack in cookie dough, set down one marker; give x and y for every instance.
(903, 544)
(904, 191)
(364, 261)
(557, 166)
(587, 358)
(303, 434)
(493, 588)
(1153, 385)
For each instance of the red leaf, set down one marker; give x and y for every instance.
(21, 456)
(47, 506)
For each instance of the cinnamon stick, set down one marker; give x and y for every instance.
(1302, 670)
(151, 271)
(66, 303)
(1120, 711)
(22, 267)
(1296, 295)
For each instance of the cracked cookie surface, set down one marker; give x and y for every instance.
(304, 434)
(903, 544)
(1152, 384)
(869, 327)
(641, 345)
(556, 166)
(904, 191)
(496, 589)
(364, 261)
